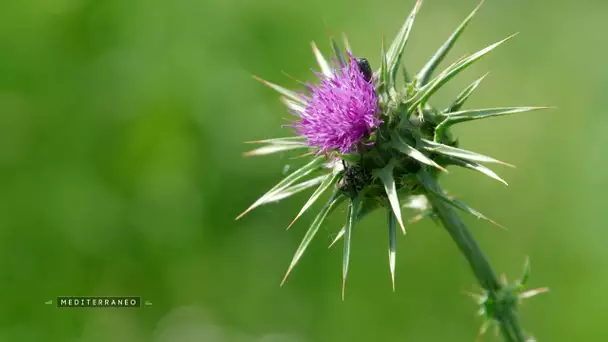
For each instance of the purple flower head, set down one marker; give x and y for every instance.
(341, 110)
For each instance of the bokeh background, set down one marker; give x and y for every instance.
(121, 172)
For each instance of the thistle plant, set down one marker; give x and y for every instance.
(376, 143)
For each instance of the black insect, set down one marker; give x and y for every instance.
(354, 179)
(365, 68)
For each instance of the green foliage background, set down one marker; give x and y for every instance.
(121, 172)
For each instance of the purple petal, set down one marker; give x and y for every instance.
(341, 110)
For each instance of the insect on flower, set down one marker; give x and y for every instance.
(365, 68)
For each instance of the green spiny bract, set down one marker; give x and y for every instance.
(400, 158)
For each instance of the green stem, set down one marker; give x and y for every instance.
(506, 315)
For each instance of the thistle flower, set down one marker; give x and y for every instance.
(341, 110)
(379, 145)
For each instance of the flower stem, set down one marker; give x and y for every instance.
(506, 312)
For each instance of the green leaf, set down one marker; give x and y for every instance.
(427, 71)
(338, 237)
(312, 231)
(281, 141)
(277, 145)
(401, 146)
(301, 83)
(464, 95)
(410, 91)
(294, 189)
(294, 106)
(487, 324)
(406, 76)
(477, 167)
(270, 149)
(346, 44)
(476, 114)
(337, 52)
(328, 181)
(392, 244)
(526, 275)
(286, 92)
(431, 185)
(367, 207)
(386, 176)
(325, 68)
(305, 170)
(351, 213)
(459, 153)
(532, 293)
(429, 89)
(351, 158)
(395, 51)
(385, 83)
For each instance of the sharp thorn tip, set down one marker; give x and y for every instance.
(291, 224)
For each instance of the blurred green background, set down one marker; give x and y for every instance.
(121, 130)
